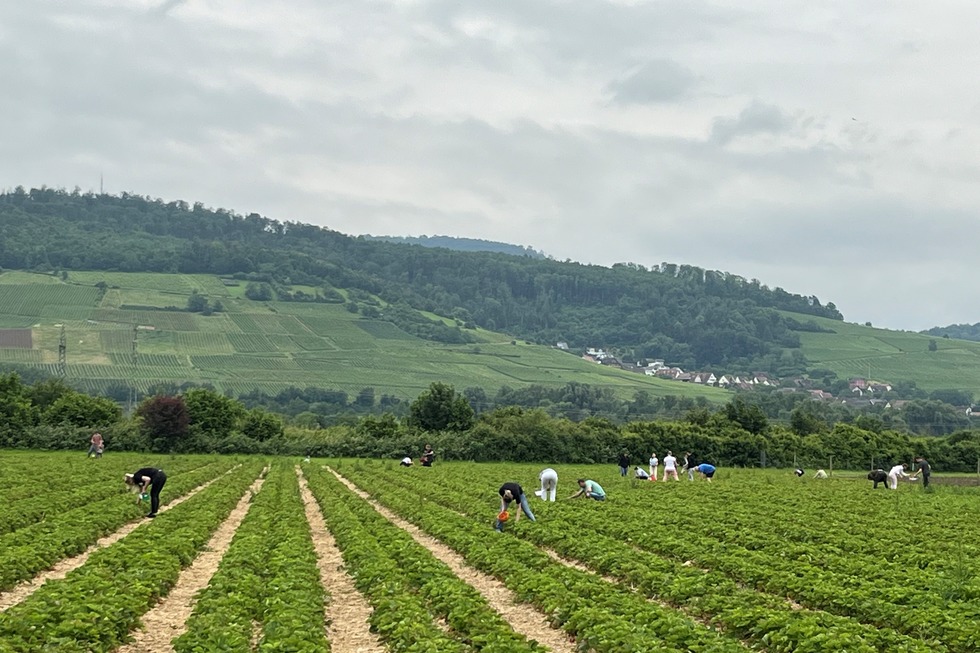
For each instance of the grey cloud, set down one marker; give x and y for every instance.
(335, 125)
(757, 118)
(655, 81)
(166, 7)
(604, 35)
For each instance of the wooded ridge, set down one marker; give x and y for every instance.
(684, 314)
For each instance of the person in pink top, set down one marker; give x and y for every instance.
(96, 445)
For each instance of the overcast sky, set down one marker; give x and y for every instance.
(830, 148)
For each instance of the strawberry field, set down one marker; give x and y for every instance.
(257, 554)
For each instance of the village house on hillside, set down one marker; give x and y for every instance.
(859, 386)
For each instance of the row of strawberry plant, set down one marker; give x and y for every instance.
(836, 540)
(95, 606)
(21, 471)
(804, 517)
(30, 550)
(737, 534)
(868, 590)
(577, 533)
(602, 616)
(407, 585)
(269, 576)
(73, 489)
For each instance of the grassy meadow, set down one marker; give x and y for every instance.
(263, 345)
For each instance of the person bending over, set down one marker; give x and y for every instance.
(148, 477)
(513, 492)
(895, 473)
(590, 489)
(705, 470)
(878, 476)
(549, 483)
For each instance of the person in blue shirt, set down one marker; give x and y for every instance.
(705, 470)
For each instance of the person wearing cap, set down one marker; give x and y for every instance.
(513, 492)
(148, 477)
(549, 484)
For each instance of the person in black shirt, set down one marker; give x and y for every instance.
(922, 467)
(428, 455)
(878, 476)
(513, 492)
(148, 477)
(689, 465)
(624, 463)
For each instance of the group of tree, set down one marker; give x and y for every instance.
(685, 314)
(51, 415)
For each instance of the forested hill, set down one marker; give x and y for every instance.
(686, 315)
(959, 331)
(462, 244)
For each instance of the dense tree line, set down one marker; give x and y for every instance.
(51, 415)
(684, 314)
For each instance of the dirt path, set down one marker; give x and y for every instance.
(524, 619)
(168, 618)
(61, 568)
(347, 611)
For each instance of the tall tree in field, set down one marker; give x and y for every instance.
(213, 413)
(261, 425)
(440, 408)
(165, 422)
(83, 410)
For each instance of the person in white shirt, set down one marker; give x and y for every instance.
(670, 466)
(641, 474)
(896, 472)
(654, 462)
(406, 462)
(820, 474)
(549, 484)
